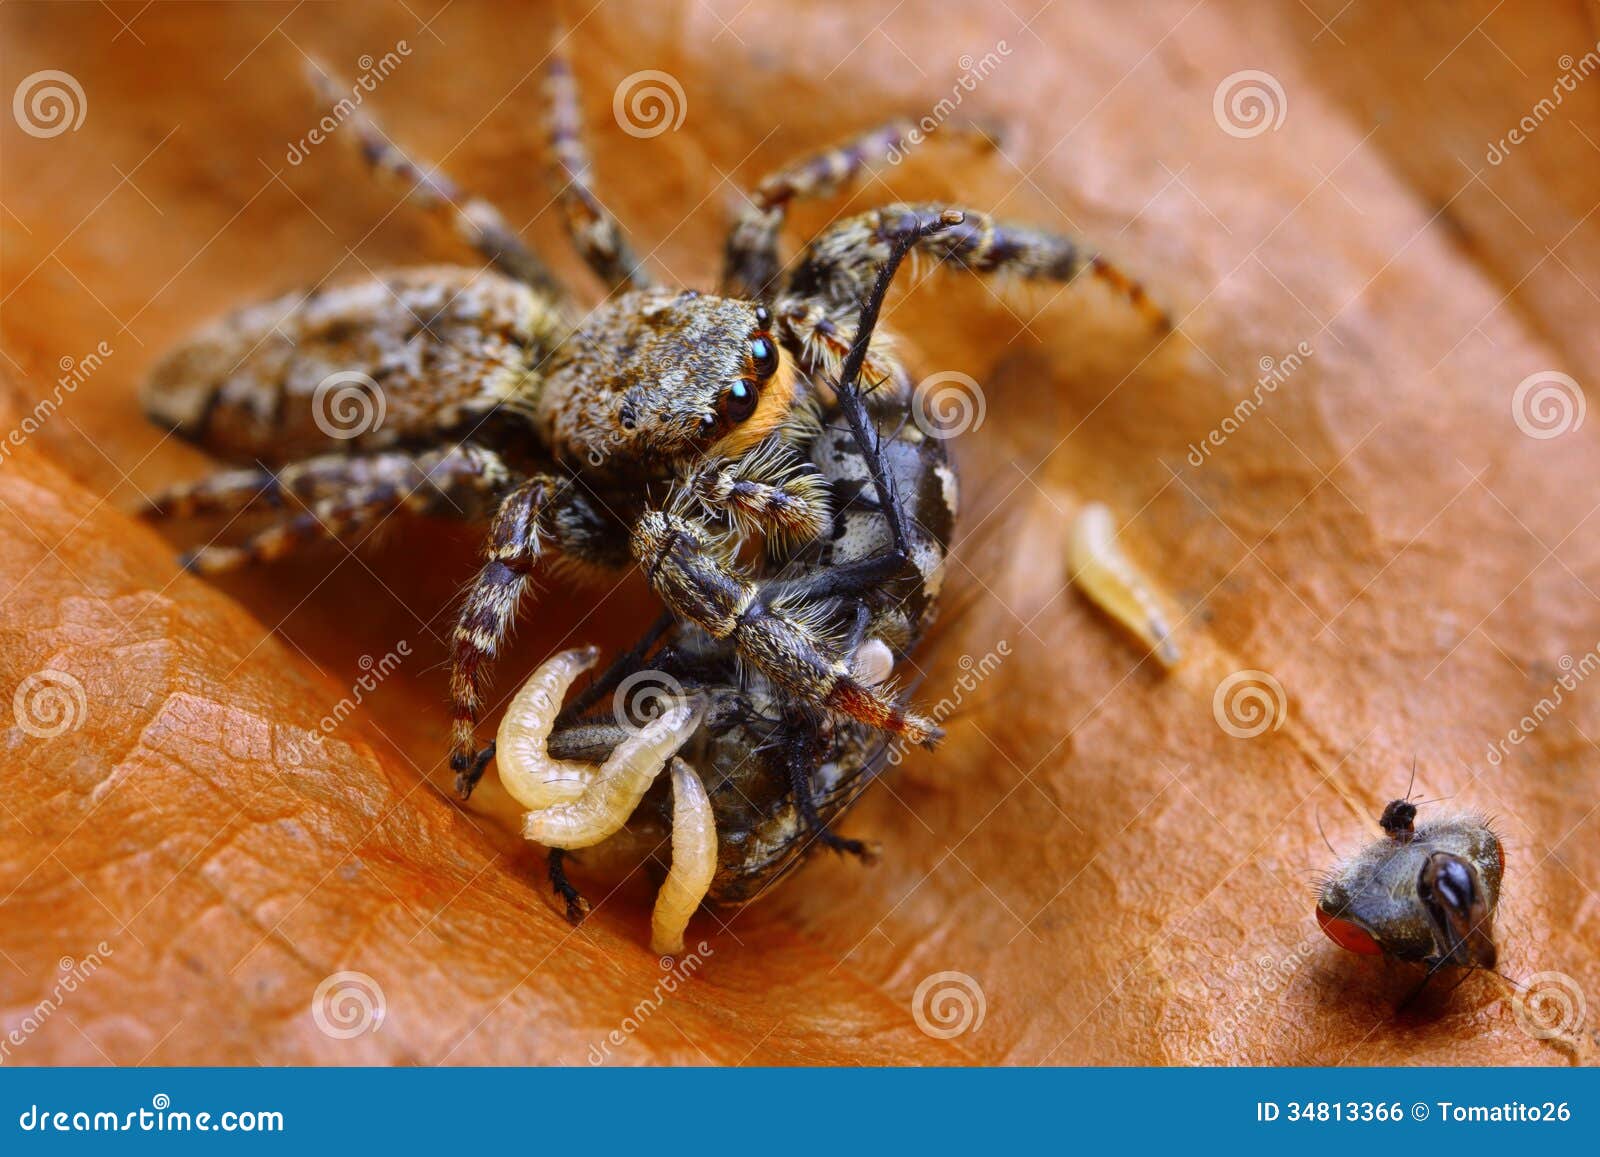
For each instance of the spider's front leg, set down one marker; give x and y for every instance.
(780, 638)
(541, 516)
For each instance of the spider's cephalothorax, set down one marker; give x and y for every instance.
(1425, 893)
(654, 431)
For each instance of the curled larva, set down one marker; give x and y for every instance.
(616, 789)
(694, 861)
(1103, 572)
(527, 772)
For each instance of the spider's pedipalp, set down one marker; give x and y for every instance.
(473, 219)
(595, 232)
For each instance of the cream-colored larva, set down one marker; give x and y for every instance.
(694, 861)
(872, 663)
(527, 772)
(618, 786)
(1103, 572)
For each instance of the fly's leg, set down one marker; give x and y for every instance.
(801, 756)
(840, 265)
(594, 231)
(472, 218)
(340, 496)
(556, 866)
(750, 258)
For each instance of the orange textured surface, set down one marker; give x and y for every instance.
(1124, 880)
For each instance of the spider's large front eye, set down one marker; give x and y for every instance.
(765, 356)
(737, 403)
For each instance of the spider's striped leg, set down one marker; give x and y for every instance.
(459, 471)
(594, 231)
(473, 219)
(339, 496)
(543, 515)
(840, 265)
(750, 257)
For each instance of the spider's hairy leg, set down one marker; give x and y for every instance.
(594, 231)
(544, 514)
(840, 264)
(432, 482)
(684, 569)
(339, 495)
(750, 257)
(473, 219)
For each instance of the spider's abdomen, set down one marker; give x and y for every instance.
(401, 357)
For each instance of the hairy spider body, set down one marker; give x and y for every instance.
(656, 431)
(776, 772)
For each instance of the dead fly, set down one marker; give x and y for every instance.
(1425, 894)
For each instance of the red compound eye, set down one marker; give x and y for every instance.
(1351, 937)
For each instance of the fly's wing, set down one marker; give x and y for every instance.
(402, 356)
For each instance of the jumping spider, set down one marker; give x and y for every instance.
(656, 430)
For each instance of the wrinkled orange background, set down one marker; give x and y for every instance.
(1123, 880)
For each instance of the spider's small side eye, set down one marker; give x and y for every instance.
(738, 402)
(765, 356)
